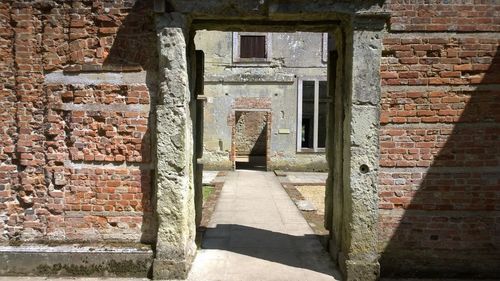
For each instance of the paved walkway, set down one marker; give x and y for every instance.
(306, 177)
(257, 233)
(209, 176)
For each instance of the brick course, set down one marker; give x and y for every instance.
(457, 60)
(439, 179)
(75, 159)
(444, 15)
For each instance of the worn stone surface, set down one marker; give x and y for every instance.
(358, 254)
(175, 246)
(276, 10)
(98, 260)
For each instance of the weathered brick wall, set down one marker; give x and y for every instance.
(444, 15)
(440, 159)
(75, 159)
(251, 133)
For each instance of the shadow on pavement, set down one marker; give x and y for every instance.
(297, 251)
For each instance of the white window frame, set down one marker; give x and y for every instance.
(236, 47)
(300, 81)
(324, 55)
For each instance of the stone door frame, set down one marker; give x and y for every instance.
(352, 202)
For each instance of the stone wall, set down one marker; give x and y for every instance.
(75, 155)
(439, 182)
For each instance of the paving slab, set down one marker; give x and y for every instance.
(305, 205)
(209, 177)
(257, 233)
(308, 178)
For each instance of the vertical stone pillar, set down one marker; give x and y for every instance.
(358, 258)
(198, 137)
(335, 151)
(175, 212)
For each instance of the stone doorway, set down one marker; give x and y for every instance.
(352, 146)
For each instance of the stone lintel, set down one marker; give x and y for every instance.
(275, 9)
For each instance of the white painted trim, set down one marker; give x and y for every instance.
(300, 93)
(324, 54)
(299, 114)
(316, 115)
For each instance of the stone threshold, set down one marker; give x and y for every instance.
(75, 260)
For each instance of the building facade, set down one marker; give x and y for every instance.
(258, 80)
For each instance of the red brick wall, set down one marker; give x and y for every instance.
(75, 160)
(440, 139)
(444, 15)
(251, 133)
(240, 104)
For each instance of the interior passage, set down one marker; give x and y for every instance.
(257, 233)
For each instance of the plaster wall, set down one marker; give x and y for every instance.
(294, 55)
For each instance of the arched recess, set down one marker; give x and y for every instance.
(353, 151)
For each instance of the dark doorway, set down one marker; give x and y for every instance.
(250, 139)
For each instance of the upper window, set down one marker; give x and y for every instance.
(312, 113)
(251, 47)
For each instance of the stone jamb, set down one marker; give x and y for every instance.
(174, 177)
(358, 255)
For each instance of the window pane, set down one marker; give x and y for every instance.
(322, 114)
(323, 92)
(322, 122)
(307, 114)
(252, 46)
(308, 90)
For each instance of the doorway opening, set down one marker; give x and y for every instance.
(251, 139)
(266, 114)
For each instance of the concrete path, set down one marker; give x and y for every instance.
(257, 233)
(31, 278)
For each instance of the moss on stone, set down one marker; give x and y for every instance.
(112, 267)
